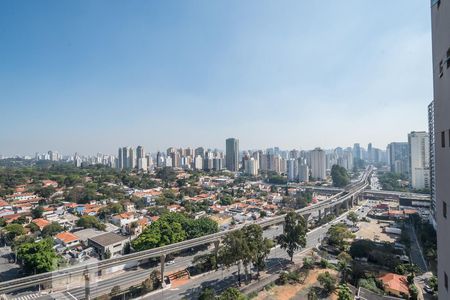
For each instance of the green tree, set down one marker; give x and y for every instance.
(338, 235)
(327, 281)
(207, 294)
(413, 292)
(37, 212)
(107, 254)
(258, 246)
(232, 294)
(33, 227)
(294, 234)
(14, 230)
(344, 292)
(115, 291)
(38, 257)
(339, 176)
(46, 192)
(433, 283)
(52, 229)
(312, 295)
(165, 231)
(353, 217)
(90, 222)
(234, 250)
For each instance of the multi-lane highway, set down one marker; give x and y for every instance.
(349, 194)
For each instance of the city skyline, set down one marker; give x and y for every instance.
(258, 71)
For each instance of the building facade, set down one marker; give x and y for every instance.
(440, 26)
(232, 154)
(419, 160)
(318, 164)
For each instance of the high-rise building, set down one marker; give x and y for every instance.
(142, 164)
(131, 158)
(251, 166)
(232, 154)
(303, 170)
(198, 162)
(419, 160)
(199, 151)
(398, 157)
(140, 152)
(440, 27)
(176, 159)
(357, 151)
(292, 169)
(120, 159)
(318, 164)
(125, 160)
(370, 153)
(160, 160)
(346, 160)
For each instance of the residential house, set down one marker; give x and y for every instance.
(395, 284)
(41, 223)
(67, 239)
(108, 242)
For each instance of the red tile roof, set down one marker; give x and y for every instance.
(67, 237)
(395, 282)
(41, 223)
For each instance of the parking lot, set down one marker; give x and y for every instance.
(374, 231)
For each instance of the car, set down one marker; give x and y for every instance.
(428, 289)
(170, 262)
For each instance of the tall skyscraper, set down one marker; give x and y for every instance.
(232, 154)
(292, 169)
(318, 164)
(419, 160)
(131, 158)
(125, 159)
(440, 27)
(398, 157)
(120, 159)
(357, 151)
(303, 170)
(251, 166)
(140, 152)
(370, 152)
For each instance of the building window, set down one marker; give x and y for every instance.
(443, 139)
(444, 209)
(448, 58)
(446, 281)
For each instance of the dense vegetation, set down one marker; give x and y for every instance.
(392, 181)
(173, 228)
(340, 176)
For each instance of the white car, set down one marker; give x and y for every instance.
(170, 262)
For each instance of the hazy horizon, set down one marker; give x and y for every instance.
(90, 77)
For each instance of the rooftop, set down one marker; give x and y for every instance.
(67, 237)
(108, 239)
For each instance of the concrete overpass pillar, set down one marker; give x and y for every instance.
(346, 205)
(216, 251)
(306, 216)
(87, 286)
(336, 210)
(163, 263)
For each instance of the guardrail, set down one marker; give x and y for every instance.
(34, 280)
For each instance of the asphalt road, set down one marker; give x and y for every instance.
(221, 279)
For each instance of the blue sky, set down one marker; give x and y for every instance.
(90, 76)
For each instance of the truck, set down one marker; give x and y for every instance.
(393, 230)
